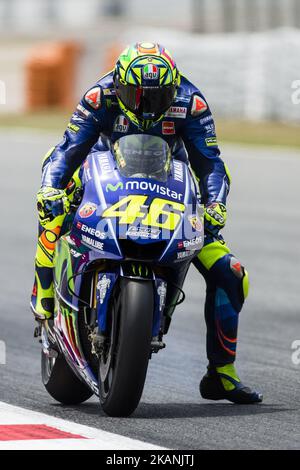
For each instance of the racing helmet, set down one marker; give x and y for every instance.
(146, 80)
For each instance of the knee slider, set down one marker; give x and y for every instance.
(228, 274)
(241, 273)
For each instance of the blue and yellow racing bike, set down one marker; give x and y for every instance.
(119, 269)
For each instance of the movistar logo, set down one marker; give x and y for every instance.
(153, 187)
(114, 188)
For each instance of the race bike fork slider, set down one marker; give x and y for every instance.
(97, 339)
(157, 343)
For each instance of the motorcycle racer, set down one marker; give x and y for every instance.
(145, 93)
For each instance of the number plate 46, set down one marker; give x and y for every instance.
(162, 213)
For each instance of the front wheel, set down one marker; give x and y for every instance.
(123, 365)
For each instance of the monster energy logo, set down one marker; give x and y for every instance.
(111, 187)
(140, 269)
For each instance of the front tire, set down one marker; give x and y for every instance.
(122, 371)
(61, 383)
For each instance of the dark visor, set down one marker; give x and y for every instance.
(146, 100)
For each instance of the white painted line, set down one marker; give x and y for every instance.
(94, 438)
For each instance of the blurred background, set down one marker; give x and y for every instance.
(243, 54)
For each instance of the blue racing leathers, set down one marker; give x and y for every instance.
(189, 129)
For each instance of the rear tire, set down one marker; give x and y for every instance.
(121, 392)
(61, 383)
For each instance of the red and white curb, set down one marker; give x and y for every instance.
(30, 430)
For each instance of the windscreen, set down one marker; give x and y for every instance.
(143, 156)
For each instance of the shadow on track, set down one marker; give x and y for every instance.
(202, 410)
(183, 410)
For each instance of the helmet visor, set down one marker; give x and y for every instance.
(146, 102)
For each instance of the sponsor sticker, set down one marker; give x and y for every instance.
(94, 243)
(150, 72)
(177, 112)
(206, 119)
(178, 171)
(199, 106)
(87, 174)
(105, 164)
(210, 129)
(73, 127)
(121, 124)
(187, 244)
(114, 188)
(182, 98)
(77, 117)
(83, 111)
(103, 286)
(183, 254)
(153, 187)
(93, 97)
(75, 253)
(92, 231)
(162, 292)
(168, 127)
(195, 223)
(70, 240)
(143, 232)
(211, 141)
(87, 210)
(109, 91)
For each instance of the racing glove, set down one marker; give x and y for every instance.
(51, 203)
(214, 218)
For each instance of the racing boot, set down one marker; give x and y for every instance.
(42, 297)
(223, 383)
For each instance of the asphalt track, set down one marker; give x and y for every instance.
(263, 230)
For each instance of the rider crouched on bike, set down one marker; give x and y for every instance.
(145, 93)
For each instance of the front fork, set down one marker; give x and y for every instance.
(102, 289)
